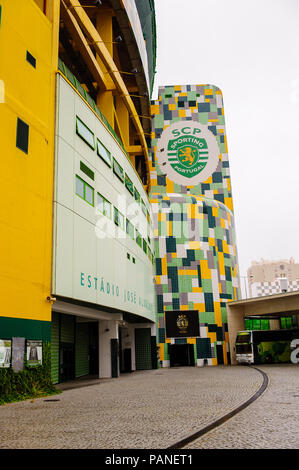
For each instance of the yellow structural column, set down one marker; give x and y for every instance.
(104, 28)
(123, 121)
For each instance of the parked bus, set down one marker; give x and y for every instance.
(265, 346)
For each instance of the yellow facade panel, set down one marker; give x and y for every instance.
(191, 340)
(194, 245)
(27, 178)
(205, 271)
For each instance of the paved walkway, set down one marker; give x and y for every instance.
(271, 422)
(153, 409)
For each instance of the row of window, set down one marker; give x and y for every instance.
(86, 192)
(95, 144)
(264, 324)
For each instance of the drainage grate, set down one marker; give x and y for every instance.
(53, 399)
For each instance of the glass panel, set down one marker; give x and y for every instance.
(88, 194)
(79, 187)
(107, 207)
(243, 349)
(143, 207)
(265, 324)
(103, 153)
(121, 221)
(243, 338)
(138, 238)
(100, 203)
(129, 184)
(118, 170)
(256, 324)
(136, 195)
(115, 216)
(129, 229)
(85, 133)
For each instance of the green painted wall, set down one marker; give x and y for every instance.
(29, 329)
(82, 349)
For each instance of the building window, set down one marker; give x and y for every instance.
(136, 195)
(30, 59)
(22, 135)
(104, 153)
(118, 170)
(118, 219)
(143, 207)
(85, 191)
(257, 324)
(138, 238)
(130, 229)
(87, 170)
(85, 133)
(104, 206)
(129, 184)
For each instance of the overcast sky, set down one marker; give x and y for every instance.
(250, 50)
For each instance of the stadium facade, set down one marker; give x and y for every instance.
(77, 271)
(119, 250)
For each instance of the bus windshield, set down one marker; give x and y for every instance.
(243, 338)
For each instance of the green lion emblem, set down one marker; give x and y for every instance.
(188, 155)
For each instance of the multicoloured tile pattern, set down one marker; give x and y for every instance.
(196, 257)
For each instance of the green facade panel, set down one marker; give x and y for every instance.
(143, 348)
(81, 350)
(29, 329)
(55, 348)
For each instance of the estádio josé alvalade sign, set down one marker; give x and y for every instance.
(187, 152)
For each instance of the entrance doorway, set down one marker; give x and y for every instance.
(67, 362)
(181, 355)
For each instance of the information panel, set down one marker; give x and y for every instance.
(182, 323)
(5, 353)
(34, 353)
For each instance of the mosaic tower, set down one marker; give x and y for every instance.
(196, 256)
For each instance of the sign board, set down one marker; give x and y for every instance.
(34, 353)
(188, 152)
(5, 353)
(182, 323)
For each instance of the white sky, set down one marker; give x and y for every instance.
(250, 50)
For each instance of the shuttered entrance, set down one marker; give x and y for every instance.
(82, 349)
(143, 348)
(74, 348)
(55, 347)
(67, 348)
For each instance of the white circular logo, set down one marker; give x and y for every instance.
(187, 153)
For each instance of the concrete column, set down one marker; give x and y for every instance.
(108, 329)
(235, 321)
(275, 324)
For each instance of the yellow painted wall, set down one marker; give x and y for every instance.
(26, 180)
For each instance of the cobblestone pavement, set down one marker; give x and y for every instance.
(271, 422)
(153, 409)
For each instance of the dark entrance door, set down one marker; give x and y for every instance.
(127, 360)
(67, 362)
(181, 355)
(220, 359)
(143, 352)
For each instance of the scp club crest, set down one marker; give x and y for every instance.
(182, 323)
(187, 152)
